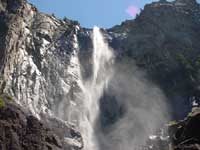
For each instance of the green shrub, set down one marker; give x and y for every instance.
(4, 97)
(65, 19)
(2, 103)
(185, 62)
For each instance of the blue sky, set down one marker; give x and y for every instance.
(103, 13)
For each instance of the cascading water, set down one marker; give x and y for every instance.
(142, 100)
(93, 89)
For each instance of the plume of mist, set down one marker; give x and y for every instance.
(145, 105)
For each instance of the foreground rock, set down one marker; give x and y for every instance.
(20, 131)
(181, 135)
(185, 135)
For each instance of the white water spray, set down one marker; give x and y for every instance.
(142, 100)
(93, 89)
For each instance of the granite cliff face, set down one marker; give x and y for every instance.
(41, 58)
(36, 48)
(38, 53)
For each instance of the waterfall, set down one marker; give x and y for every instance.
(93, 89)
(144, 102)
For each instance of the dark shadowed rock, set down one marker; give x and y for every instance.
(163, 40)
(185, 134)
(20, 131)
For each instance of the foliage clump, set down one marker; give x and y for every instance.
(2, 103)
(4, 98)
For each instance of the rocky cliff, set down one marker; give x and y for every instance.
(41, 56)
(163, 40)
(20, 131)
(35, 49)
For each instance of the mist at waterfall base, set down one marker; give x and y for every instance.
(139, 106)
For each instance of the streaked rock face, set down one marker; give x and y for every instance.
(39, 63)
